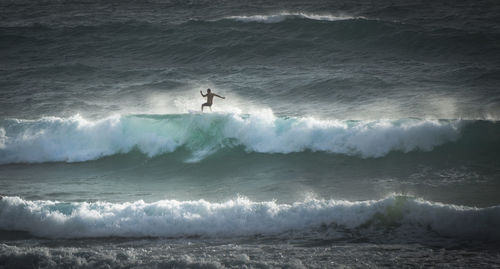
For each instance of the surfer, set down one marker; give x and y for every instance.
(210, 97)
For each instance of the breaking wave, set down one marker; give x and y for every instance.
(279, 17)
(240, 217)
(76, 139)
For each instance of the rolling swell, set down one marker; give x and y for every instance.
(242, 38)
(341, 32)
(76, 139)
(243, 217)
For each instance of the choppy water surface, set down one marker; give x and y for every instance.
(352, 134)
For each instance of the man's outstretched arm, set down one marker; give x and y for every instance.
(220, 96)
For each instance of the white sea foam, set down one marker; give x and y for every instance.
(233, 254)
(279, 17)
(108, 257)
(77, 139)
(238, 217)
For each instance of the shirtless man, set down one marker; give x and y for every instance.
(210, 98)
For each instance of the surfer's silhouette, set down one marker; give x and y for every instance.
(210, 97)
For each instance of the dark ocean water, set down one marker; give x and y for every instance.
(353, 134)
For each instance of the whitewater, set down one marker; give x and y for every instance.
(352, 135)
(243, 217)
(77, 139)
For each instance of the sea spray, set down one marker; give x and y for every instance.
(77, 139)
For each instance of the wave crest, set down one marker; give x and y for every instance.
(279, 17)
(239, 217)
(77, 139)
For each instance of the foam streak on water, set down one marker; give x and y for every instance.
(279, 17)
(348, 102)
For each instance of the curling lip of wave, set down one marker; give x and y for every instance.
(77, 139)
(239, 217)
(279, 17)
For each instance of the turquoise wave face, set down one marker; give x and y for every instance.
(169, 190)
(76, 139)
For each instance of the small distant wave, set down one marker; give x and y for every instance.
(279, 17)
(241, 217)
(76, 139)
